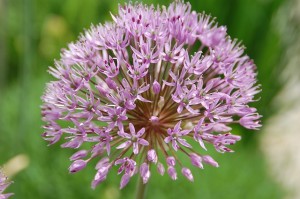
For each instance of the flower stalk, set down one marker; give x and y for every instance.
(141, 189)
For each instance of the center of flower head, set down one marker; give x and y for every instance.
(140, 90)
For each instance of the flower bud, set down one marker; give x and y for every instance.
(145, 172)
(77, 165)
(171, 161)
(156, 87)
(172, 172)
(160, 168)
(152, 156)
(188, 174)
(209, 160)
(196, 160)
(78, 155)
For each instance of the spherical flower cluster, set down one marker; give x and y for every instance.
(3, 185)
(138, 91)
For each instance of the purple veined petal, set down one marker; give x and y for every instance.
(124, 180)
(79, 154)
(172, 173)
(124, 145)
(198, 126)
(172, 75)
(111, 83)
(143, 142)
(124, 135)
(108, 148)
(77, 165)
(104, 162)
(136, 52)
(135, 148)
(168, 83)
(100, 176)
(140, 132)
(168, 139)
(170, 131)
(111, 125)
(180, 108)
(3, 186)
(175, 145)
(120, 161)
(177, 127)
(176, 99)
(139, 97)
(143, 89)
(160, 168)
(184, 132)
(209, 84)
(219, 127)
(191, 110)
(188, 174)
(198, 138)
(205, 104)
(184, 142)
(73, 143)
(132, 129)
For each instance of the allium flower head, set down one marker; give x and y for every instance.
(3, 185)
(146, 87)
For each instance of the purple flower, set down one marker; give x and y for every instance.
(175, 137)
(134, 139)
(139, 92)
(3, 185)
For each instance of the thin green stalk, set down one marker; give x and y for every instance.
(141, 189)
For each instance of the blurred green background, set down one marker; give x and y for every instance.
(32, 34)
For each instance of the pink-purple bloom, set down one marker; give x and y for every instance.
(144, 88)
(3, 185)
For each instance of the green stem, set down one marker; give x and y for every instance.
(141, 189)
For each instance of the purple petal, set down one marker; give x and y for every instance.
(143, 142)
(177, 127)
(124, 180)
(100, 176)
(124, 145)
(132, 129)
(175, 145)
(78, 155)
(140, 132)
(184, 142)
(168, 139)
